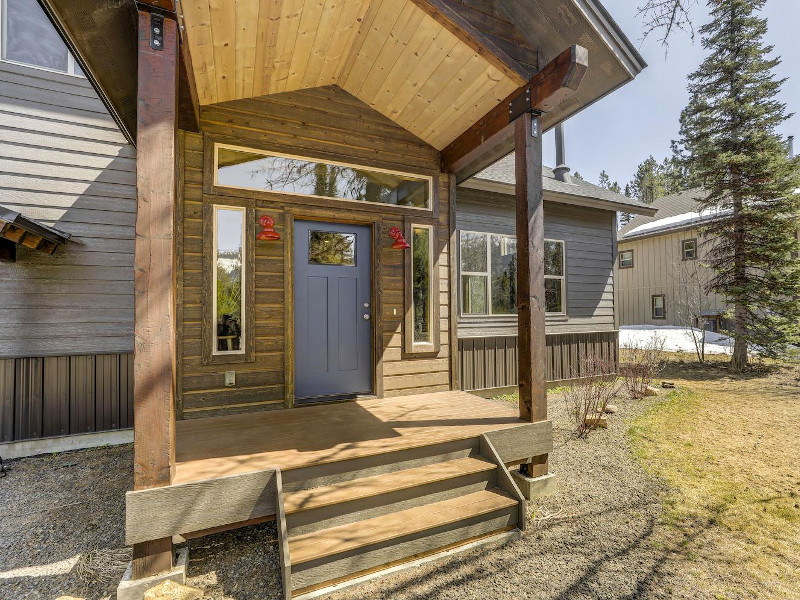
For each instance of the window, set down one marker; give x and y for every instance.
(29, 38)
(488, 274)
(228, 283)
(659, 307)
(421, 283)
(626, 259)
(554, 277)
(689, 249)
(266, 171)
(331, 248)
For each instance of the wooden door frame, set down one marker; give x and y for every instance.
(362, 218)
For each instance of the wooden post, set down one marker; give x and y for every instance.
(154, 273)
(530, 275)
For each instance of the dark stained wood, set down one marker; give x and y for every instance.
(487, 140)
(447, 14)
(188, 103)
(530, 272)
(168, 5)
(154, 295)
(454, 286)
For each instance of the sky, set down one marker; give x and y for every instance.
(641, 118)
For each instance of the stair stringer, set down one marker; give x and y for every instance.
(504, 479)
(283, 538)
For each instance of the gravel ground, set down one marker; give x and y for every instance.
(603, 540)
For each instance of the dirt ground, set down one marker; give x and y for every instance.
(687, 495)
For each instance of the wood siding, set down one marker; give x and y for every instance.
(64, 162)
(491, 362)
(588, 236)
(325, 123)
(658, 269)
(62, 395)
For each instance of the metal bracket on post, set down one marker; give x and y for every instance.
(156, 31)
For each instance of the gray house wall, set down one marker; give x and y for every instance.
(488, 344)
(66, 321)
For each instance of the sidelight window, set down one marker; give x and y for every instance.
(270, 172)
(422, 294)
(228, 279)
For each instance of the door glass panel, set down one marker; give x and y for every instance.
(331, 248)
(309, 177)
(228, 250)
(421, 290)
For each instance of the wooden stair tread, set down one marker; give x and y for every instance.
(326, 542)
(365, 487)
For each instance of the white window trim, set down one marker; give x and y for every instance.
(694, 249)
(214, 345)
(427, 178)
(563, 279)
(431, 291)
(71, 62)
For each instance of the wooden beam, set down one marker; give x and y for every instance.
(154, 273)
(447, 15)
(188, 101)
(489, 139)
(167, 5)
(530, 268)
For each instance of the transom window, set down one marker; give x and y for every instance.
(30, 38)
(659, 304)
(228, 297)
(626, 259)
(489, 274)
(266, 171)
(689, 249)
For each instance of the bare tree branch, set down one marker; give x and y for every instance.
(666, 16)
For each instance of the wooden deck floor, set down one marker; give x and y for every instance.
(289, 439)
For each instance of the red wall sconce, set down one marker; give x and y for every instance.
(268, 229)
(400, 242)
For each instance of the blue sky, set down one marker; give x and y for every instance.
(641, 118)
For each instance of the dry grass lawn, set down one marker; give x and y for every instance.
(729, 446)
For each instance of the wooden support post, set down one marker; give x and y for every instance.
(530, 275)
(154, 273)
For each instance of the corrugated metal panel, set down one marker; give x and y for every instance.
(60, 395)
(491, 362)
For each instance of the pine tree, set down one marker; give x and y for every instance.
(648, 182)
(729, 138)
(577, 175)
(606, 183)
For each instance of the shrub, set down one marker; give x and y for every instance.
(643, 362)
(588, 396)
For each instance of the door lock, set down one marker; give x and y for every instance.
(366, 317)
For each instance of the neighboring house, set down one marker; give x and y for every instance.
(296, 291)
(67, 214)
(661, 272)
(580, 224)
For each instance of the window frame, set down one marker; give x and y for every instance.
(683, 248)
(619, 259)
(71, 62)
(487, 274)
(223, 189)
(562, 277)
(411, 346)
(653, 306)
(246, 353)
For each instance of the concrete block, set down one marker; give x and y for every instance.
(651, 391)
(171, 590)
(134, 589)
(533, 487)
(597, 420)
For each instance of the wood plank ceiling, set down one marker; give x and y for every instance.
(388, 53)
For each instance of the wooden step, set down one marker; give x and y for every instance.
(352, 536)
(357, 489)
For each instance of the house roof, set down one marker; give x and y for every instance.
(377, 51)
(500, 177)
(675, 211)
(27, 232)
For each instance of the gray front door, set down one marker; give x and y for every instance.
(332, 309)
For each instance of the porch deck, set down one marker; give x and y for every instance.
(290, 439)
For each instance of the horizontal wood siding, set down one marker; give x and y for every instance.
(64, 162)
(324, 123)
(588, 235)
(62, 395)
(491, 362)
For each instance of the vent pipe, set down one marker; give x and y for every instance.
(561, 171)
(791, 146)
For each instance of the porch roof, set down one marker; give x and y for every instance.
(433, 66)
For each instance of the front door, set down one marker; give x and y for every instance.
(332, 310)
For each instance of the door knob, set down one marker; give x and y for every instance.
(366, 317)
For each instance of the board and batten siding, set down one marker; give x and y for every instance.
(325, 123)
(66, 321)
(658, 269)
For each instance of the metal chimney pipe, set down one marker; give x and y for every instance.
(791, 146)
(561, 171)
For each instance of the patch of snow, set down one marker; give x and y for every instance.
(677, 221)
(676, 339)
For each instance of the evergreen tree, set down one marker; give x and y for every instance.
(648, 182)
(577, 175)
(729, 138)
(606, 183)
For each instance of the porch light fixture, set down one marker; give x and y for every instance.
(268, 229)
(400, 242)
